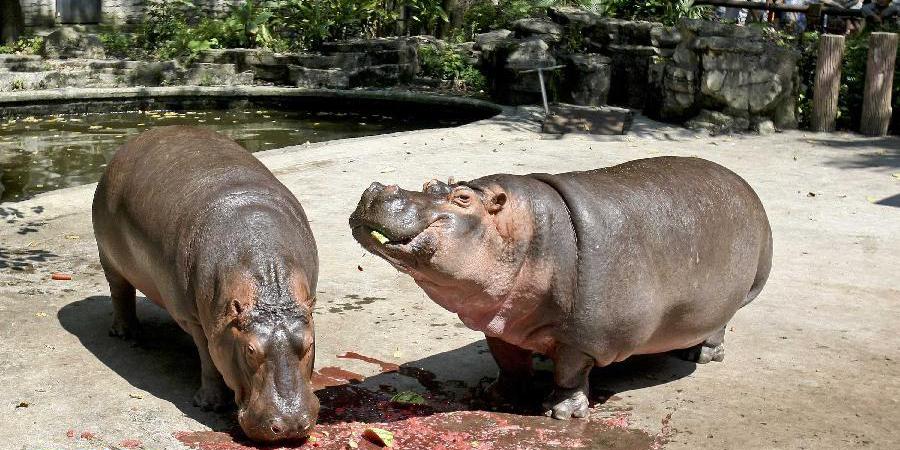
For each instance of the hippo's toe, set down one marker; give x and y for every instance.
(564, 404)
(702, 354)
(125, 330)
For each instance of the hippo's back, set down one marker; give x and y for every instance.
(674, 246)
(165, 186)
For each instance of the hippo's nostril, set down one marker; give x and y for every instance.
(276, 426)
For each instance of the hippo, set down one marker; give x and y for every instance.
(587, 268)
(205, 231)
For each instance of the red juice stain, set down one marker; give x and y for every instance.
(463, 430)
(385, 366)
(131, 443)
(87, 435)
(70, 433)
(332, 376)
(209, 440)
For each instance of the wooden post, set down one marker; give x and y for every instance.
(828, 82)
(876, 111)
(814, 16)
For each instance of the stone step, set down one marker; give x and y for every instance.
(318, 78)
(365, 45)
(384, 75)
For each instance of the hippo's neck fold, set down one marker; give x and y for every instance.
(248, 233)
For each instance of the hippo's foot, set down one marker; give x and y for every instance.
(702, 354)
(567, 403)
(213, 397)
(506, 389)
(129, 331)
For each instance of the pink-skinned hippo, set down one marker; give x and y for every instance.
(587, 268)
(204, 230)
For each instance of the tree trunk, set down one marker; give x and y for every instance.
(454, 14)
(12, 22)
(828, 82)
(876, 111)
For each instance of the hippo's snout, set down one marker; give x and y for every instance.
(270, 426)
(397, 214)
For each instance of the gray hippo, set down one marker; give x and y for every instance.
(587, 268)
(204, 230)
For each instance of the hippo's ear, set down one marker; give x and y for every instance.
(496, 202)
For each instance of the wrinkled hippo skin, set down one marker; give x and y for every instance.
(204, 230)
(588, 268)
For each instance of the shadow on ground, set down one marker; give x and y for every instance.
(165, 364)
(886, 153)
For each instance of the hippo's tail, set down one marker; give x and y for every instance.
(762, 269)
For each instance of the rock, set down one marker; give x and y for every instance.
(530, 54)
(319, 78)
(542, 28)
(66, 42)
(763, 127)
(574, 16)
(717, 122)
(587, 79)
(623, 32)
(208, 74)
(728, 44)
(159, 73)
(666, 37)
(486, 41)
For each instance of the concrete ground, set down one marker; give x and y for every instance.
(813, 362)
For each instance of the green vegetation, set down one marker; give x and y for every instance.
(449, 65)
(180, 29)
(24, 46)
(668, 12)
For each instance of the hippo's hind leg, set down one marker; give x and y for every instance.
(570, 396)
(712, 349)
(125, 323)
(515, 370)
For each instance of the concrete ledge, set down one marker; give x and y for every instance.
(15, 102)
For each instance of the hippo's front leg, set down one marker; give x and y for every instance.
(570, 396)
(515, 370)
(213, 394)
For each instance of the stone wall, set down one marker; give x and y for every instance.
(41, 13)
(76, 59)
(705, 74)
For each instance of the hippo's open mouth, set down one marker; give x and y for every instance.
(402, 252)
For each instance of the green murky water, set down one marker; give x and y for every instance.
(38, 154)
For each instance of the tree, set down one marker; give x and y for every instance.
(12, 23)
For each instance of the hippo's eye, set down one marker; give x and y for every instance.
(462, 199)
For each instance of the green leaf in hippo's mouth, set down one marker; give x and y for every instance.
(379, 237)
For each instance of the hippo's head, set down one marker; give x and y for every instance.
(449, 237)
(265, 350)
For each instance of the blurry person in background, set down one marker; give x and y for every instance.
(880, 13)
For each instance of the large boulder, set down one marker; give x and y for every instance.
(573, 16)
(541, 28)
(66, 42)
(587, 79)
(487, 41)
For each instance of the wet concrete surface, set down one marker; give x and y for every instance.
(811, 363)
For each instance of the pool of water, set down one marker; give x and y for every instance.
(42, 153)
